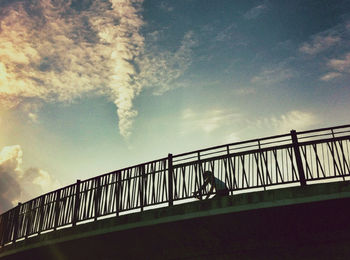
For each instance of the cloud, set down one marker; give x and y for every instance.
(295, 119)
(232, 138)
(245, 91)
(160, 69)
(330, 76)
(207, 121)
(342, 65)
(17, 184)
(273, 75)
(256, 11)
(319, 43)
(58, 51)
(225, 34)
(166, 7)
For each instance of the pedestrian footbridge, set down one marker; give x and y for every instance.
(288, 197)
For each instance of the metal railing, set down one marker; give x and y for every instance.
(297, 158)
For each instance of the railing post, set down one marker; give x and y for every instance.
(117, 193)
(41, 213)
(142, 183)
(170, 179)
(199, 176)
(97, 198)
(28, 218)
(298, 157)
(57, 208)
(76, 204)
(15, 219)
(2, 230)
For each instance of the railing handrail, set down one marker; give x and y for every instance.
(323, 129)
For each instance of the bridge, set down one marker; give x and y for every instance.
(298, 176)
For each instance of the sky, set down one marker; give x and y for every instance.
(88, 87)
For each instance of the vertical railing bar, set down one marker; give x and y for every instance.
(229, 175)
(307, 167)
(258, 171)
(29, 218)
(170, 179)
(154, 194)
(97, 198)
(16, 222)
(117, 193)
(75, 216)
(141, 183)
(336, 148)
(318, 162)
(344, 158)
(335, 165)
(42, 213)
(182, 170)
(134, 197)
(278, 170)
(244, 177)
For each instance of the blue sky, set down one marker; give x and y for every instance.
(87, 87)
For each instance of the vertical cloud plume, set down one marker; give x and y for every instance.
(57, 51)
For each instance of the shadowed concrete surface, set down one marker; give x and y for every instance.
(311, 222)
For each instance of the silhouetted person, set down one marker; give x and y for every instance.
(219, 185)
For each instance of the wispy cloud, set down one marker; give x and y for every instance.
(273, 75)
(256, 11)
(226, 33)
(319, 43)
(54, 51)
(335, 37)
(295, 119)
(17, 184)
(333, 42)
(160, 69)
(331, 75)
(207, 121)
(340, 66)
(245, 91)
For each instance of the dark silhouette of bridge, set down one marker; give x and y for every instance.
(297, 159)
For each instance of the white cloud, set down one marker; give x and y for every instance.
(225, 34)
(160, 69)
(273, 75)
(232, 138)
(207, 121)
(245, 91)
(17, 184)
(330, 76)
(342, 65)
(33, 117)
(319, 43)
(256, 11)
(51, 51)
(295, 119)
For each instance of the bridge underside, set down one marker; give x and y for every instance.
(295, 223)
